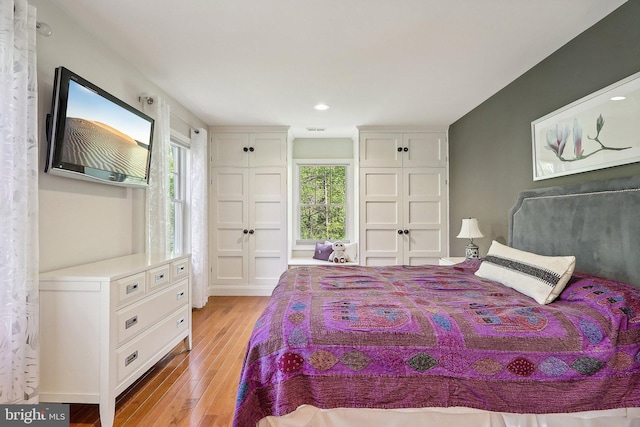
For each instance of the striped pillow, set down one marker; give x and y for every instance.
(539, 277)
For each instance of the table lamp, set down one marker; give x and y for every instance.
(470, 230)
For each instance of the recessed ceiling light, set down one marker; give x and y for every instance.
(321, 107)
(618, 98)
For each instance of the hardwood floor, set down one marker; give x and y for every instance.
(196, 388)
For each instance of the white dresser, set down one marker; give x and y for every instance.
(104, 324)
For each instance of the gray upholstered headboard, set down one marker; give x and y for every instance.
(598, 222)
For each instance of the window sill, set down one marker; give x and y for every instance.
(300, 261)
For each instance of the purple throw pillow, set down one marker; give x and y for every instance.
(322, 251)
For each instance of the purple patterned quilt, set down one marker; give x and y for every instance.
(436, 336)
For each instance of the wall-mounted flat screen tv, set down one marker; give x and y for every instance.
(95, 136)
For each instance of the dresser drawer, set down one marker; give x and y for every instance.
(159, 276)
(136, 353)
(139, 316)
(130, 288)
(180, 269)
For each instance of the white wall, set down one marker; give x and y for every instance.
(83, 221)
(323, 148)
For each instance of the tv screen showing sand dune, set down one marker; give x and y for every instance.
(99, 146)
(101, 134)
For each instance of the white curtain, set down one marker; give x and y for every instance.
(157, 204)
(19, 347)
(199, 223)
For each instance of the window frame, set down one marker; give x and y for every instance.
(179, 233)
(300, 244)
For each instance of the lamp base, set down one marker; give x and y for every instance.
(472, 251)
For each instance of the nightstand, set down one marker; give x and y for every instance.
(451, 260)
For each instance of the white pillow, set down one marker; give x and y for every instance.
(352, 251)
(539, 277)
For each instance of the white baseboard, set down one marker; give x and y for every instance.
(245, 291)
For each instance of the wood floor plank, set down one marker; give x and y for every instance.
(228, 362)
(189, 388)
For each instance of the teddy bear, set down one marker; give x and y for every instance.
(339, 255)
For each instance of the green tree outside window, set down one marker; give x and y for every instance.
(323, 208)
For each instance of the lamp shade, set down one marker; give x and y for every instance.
(470, 229)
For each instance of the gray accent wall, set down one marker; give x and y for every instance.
(490, 147)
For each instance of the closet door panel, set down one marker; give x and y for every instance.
(381, 247)
(381, 212)
(425, 149)
(425, 215)
(267, 246)
(230, 269)
(230, 212)
(380, 149)
(267, 149)
(227, 149)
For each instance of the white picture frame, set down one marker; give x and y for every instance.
(598, 131)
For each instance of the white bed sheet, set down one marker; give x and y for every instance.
(310, 416)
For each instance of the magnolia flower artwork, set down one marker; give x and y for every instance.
(598, 131)
(557, 140)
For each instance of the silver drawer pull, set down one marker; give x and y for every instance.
(133, 356)
(159, 277)
(179, 322)
(131, 322)
(133, 287)
(180, 295)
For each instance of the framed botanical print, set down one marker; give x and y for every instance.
(598, 131)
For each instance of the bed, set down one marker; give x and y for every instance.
(463, 345)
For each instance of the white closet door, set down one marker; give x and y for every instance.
(230, 213)
(267, 225)
(381, 214)
(268, 149)
(381, 149)
(227, 149)
(424, 149)
(424, 215)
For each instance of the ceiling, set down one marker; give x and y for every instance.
(375, 62)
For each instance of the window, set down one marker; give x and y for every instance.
(178, 190)
(323, 208)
